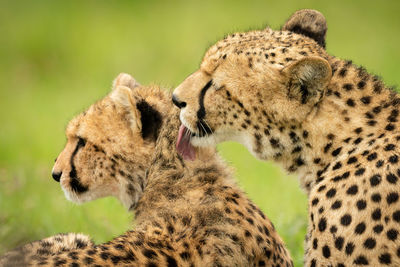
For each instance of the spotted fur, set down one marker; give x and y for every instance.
(186, 213)
(331, 122)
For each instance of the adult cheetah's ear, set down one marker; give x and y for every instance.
(307, 79)
(308, 22)
(124, 79)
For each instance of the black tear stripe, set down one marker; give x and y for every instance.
(75, 183)
(203, 128)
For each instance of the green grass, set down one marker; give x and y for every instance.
(58, 57)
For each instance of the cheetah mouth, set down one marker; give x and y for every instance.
(183, 145)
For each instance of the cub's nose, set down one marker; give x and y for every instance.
(56, 176)
(177, 102)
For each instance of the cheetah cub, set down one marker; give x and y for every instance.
(188, 213)
(334, 124)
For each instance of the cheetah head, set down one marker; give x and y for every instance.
(109, 146)
(251, 84)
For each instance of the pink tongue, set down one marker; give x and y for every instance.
(185, 149)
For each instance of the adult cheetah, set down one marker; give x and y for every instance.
(188, 213)
(281, 95)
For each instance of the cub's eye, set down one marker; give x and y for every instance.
(81, 142)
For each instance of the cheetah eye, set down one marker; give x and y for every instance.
(81, 141)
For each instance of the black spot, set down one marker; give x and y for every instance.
(369, 115)
(339, 241)
(358, 130)
(389, 147)
(385, 258)
(366, 100)
(376, 214)
(104, 255)
(336, 205)
(378, 228)
(394, 159)
(389, 127)
(391, 178)
(336, 151)
(317, 160)
(372, 156)
(321, 188)
(345, 220)
(342, 72)
(377, 87)
(376, 197)
(361, 85)
(393, 116)
(171, 262)
(396, 216)
(337, 166)
(352, 160)
(369, 243)
(299, 161)
(348, 86)
(331, 193)
(297, 149)
(360, 228)
(315, 243)
(349, 248)
(379, 163)
(350, 102)
(314, 201)
(361, 260)
(274, 142)
(361, 204)
(359, 171)
(352, 190)
(327, 147)
(392, 234)
(326, 251)
(150, 254)
(393, 197)
(322, 225)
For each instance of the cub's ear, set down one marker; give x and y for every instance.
(308, 22)
(122, 97)
(125, 79)
(150, 119)
(307, 79)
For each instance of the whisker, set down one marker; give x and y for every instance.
(187, 132)
(208, 127)
(203, 128)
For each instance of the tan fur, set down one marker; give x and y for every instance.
(281, 95)
(47, 246)
(186, 213)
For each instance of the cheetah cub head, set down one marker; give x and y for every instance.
(251, 84)
(109, 146)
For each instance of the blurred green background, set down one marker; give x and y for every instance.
(58, 57)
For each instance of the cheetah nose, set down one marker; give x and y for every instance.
(177, 102)
(56, 176)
